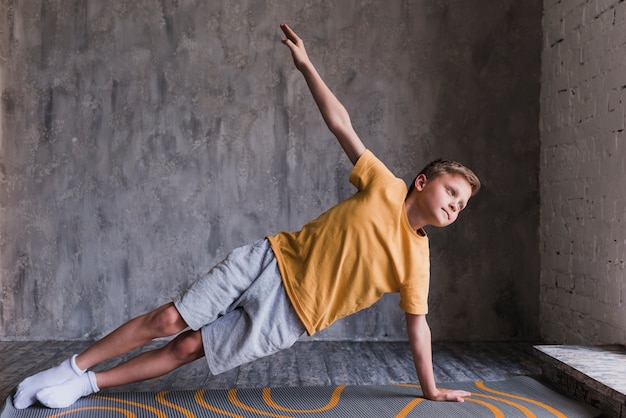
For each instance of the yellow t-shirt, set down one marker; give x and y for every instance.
(355, 252)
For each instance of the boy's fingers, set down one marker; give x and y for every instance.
(289, 33)
(460, 395)
(286, 29)
(454, 395)
(289, 43)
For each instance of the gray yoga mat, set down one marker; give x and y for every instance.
(516, 397)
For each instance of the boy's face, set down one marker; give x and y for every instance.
(443, 198)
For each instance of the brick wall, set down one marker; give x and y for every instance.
(583, 172)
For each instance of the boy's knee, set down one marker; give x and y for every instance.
(188, 346)
(166, 320)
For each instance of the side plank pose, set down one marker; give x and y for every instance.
(264, 296)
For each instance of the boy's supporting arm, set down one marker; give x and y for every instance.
(334, 113)
(420, 340)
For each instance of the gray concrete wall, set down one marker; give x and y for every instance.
(583, 173)
(142, 140)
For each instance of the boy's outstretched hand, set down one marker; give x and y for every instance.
(334, 113)
(295, 44)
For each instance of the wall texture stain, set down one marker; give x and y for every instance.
(142, 140)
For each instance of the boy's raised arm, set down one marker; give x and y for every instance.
(334, 113)
(420, 341)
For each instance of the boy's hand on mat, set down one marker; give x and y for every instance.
(295, 44)
(448, 395)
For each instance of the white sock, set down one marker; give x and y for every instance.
(26, 392)
(66, 393)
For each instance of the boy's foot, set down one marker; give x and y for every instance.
(65, 394)
(26, 392)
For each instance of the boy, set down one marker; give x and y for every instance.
(264, 296)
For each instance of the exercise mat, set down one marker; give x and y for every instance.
(517, 397)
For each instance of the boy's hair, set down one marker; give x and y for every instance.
(441, 166)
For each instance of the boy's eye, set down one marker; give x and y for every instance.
(451, 192)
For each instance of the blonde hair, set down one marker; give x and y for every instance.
(441, 166)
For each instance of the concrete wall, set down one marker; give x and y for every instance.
(583, 172)
(142, 140)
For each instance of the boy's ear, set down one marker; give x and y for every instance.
(420, 182)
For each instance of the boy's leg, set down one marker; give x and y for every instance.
(184, 349)
(162, 322)
(207, 299)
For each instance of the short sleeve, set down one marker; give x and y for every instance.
(369, 171)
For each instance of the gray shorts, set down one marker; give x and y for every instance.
(241, 308)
